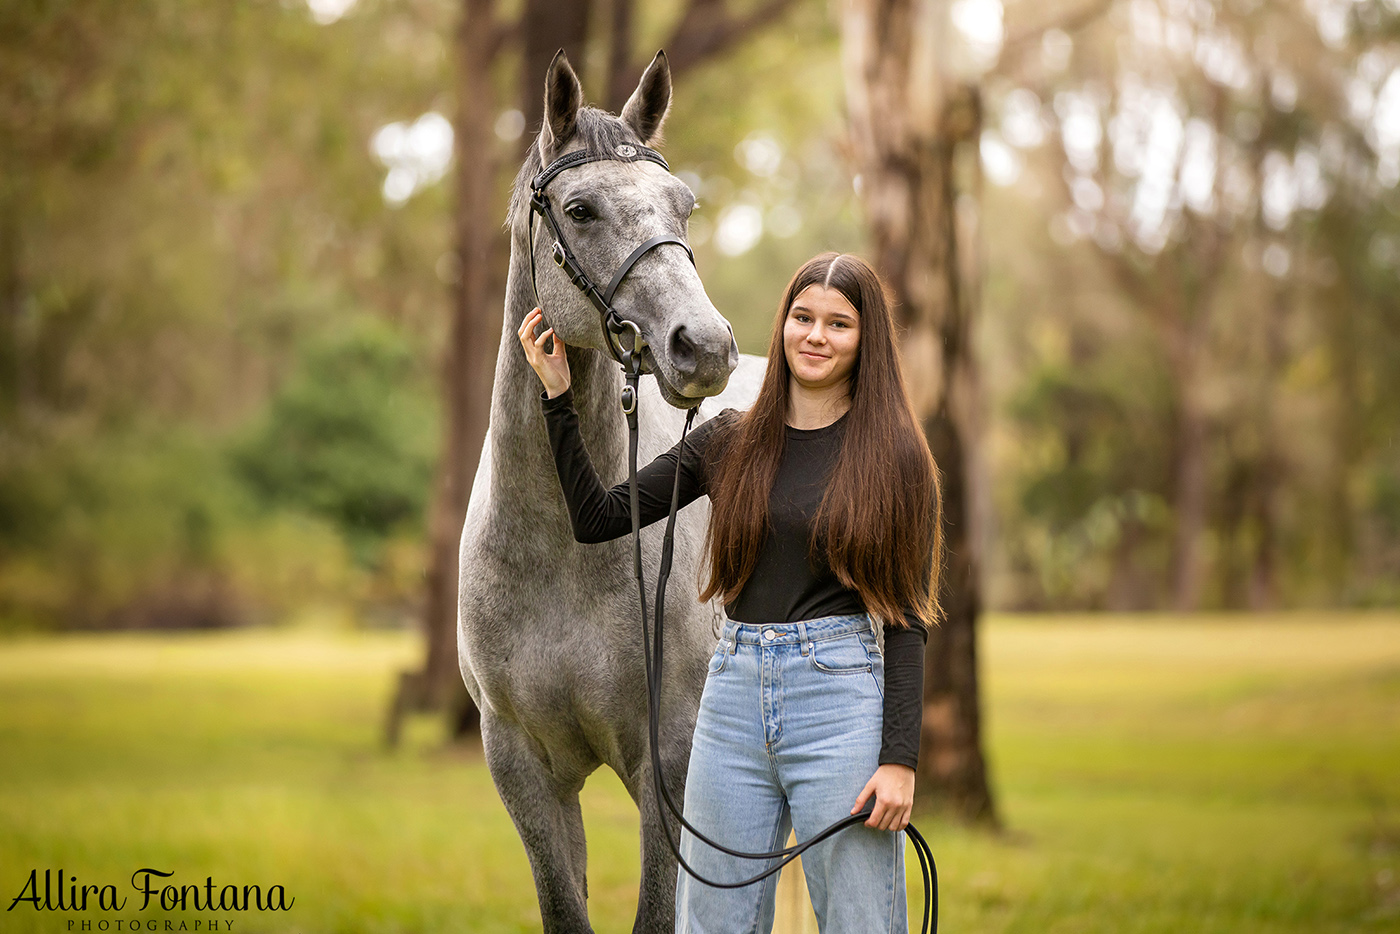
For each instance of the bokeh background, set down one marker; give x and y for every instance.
(251, 260)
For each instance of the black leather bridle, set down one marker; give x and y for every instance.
(614, 326)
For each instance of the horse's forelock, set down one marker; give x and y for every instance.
(598, 130)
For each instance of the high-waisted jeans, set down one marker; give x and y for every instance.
(788, 734)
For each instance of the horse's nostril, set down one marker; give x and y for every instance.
(681, 348)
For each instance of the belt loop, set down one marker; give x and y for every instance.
(871, 620)
(802, 638)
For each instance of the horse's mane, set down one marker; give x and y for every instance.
(598, 130)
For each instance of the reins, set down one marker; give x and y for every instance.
(631, 359)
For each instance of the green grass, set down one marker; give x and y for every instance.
(1156, 774)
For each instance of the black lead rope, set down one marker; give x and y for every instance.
(652, 653)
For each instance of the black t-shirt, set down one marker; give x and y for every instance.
(785, 586)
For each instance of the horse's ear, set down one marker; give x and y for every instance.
(563, 96)
(646, 109)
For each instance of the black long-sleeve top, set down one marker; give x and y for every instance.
(785, 585)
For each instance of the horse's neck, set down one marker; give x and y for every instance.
(523, 467)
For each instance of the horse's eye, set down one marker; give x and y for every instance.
(579, 213)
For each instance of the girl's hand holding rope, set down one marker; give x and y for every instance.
(893, 788)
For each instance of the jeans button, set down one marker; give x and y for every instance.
(769, 634)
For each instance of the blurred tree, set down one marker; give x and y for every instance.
(347, 437)
(914, 105)
(467, 367)
(185, 197)
(1200, 149)
(909, 120)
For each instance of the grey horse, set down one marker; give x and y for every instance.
(548, 631)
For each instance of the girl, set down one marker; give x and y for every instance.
(824, 523)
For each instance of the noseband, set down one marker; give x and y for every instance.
(614, 325)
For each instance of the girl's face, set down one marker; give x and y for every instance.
(821, 337)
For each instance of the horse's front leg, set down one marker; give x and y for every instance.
(656, 901)
(545, 809)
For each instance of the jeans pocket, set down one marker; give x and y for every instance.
(844, 655)
(719, 659)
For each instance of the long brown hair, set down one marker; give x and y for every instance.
(882, 505)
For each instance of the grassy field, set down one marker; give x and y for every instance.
(1161, 775)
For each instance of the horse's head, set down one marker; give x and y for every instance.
(606, 209)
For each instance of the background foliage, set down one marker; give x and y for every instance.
(220, 319)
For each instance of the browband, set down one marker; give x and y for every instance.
(624, 153)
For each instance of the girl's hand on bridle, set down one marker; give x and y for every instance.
(893, 788)
(552, 368)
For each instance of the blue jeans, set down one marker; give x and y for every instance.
(788, 734)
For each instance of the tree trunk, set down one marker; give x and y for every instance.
(621, 78)
(1129, 589)
(549, 25)
(906, 124)
(467, 370)
(1189, 499)
(1339, 550)
(1272, 471)
(11, 311)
